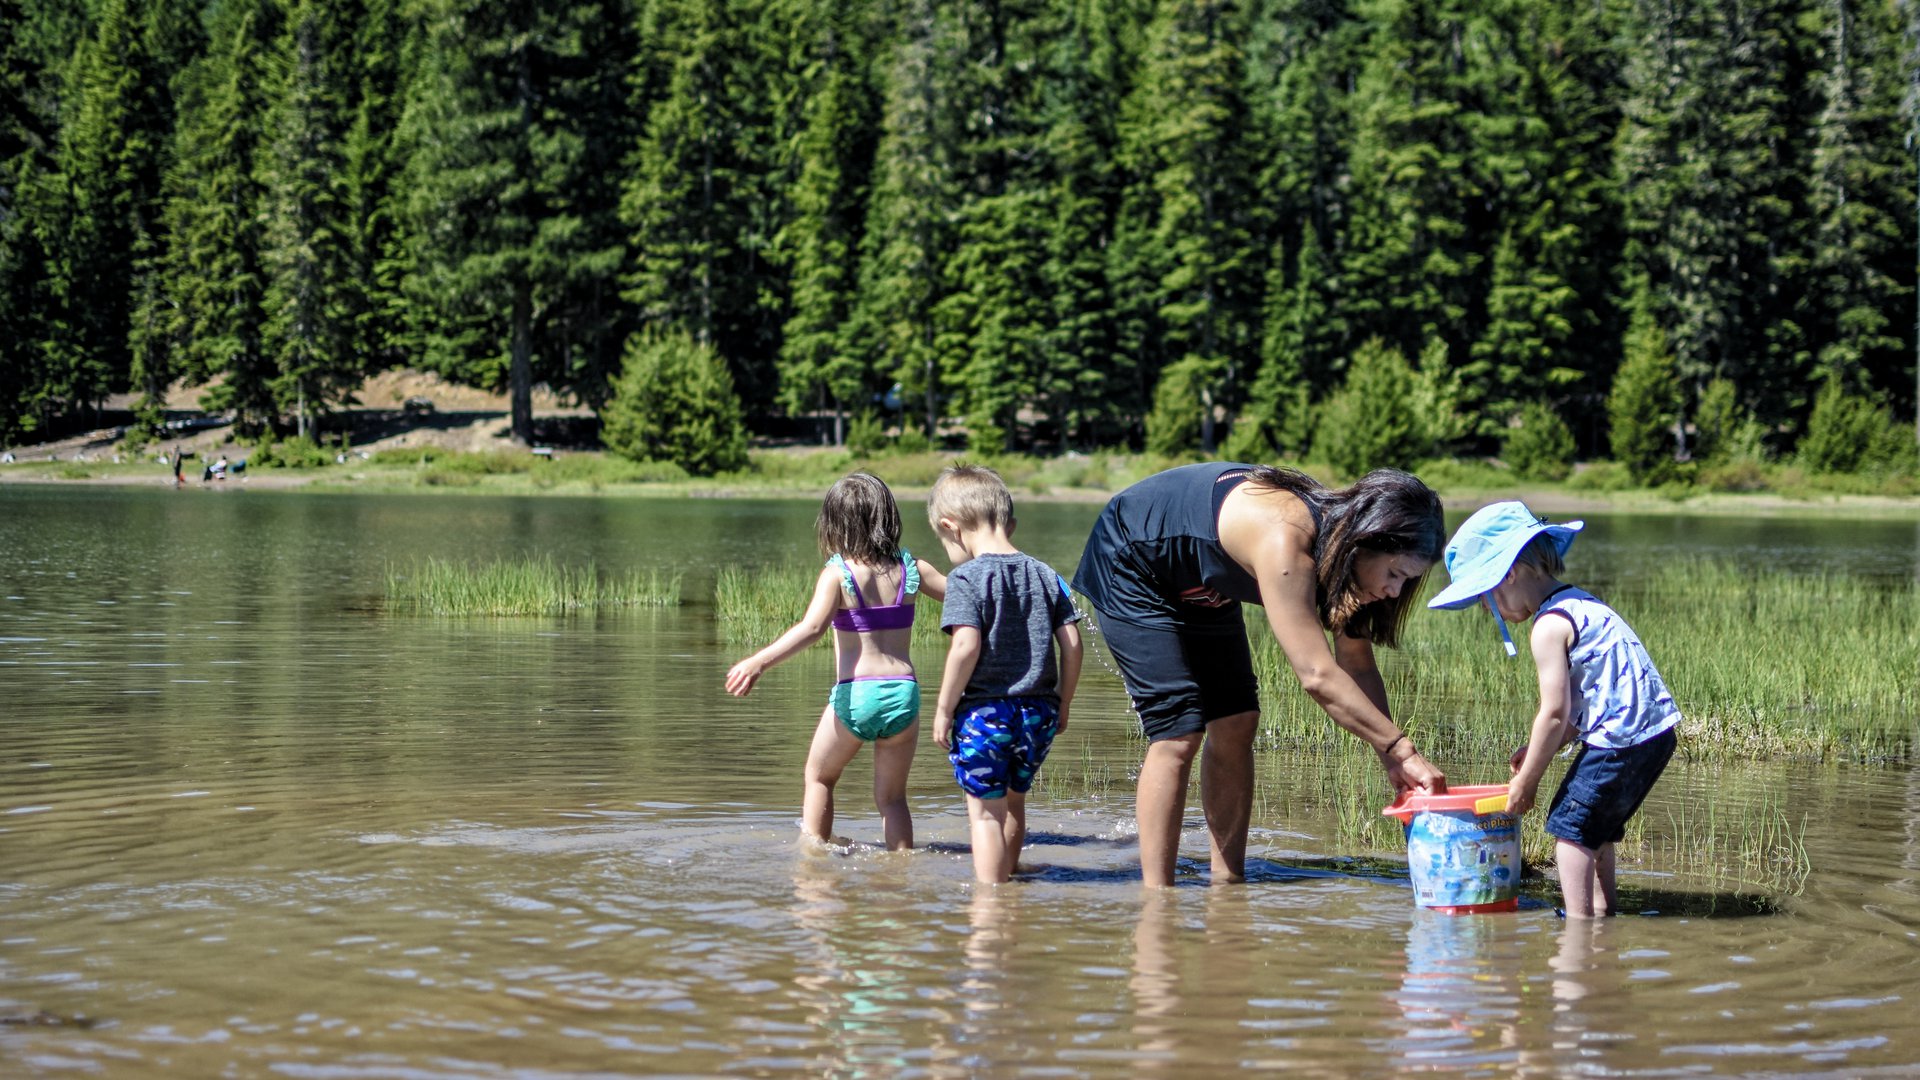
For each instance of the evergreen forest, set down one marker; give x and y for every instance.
(1641, 229)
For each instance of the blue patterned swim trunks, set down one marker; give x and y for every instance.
(999, 745)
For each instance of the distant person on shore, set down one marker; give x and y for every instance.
(179, 478)
(1597, 684)
(1003, 697)
(876, 698)
(1168, 566)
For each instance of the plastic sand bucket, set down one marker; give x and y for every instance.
(1463, 849)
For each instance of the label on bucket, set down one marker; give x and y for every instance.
(1457, 858)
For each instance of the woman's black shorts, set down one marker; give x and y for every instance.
(1180, 680)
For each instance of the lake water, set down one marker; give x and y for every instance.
(251, 823)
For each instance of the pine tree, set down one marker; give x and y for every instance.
(370, 203)
(306, 253)
(905, 244)
(1706, 166)
(113, 151)
(993, 323)
(833, 153)
(40, 37)
(1643, 406)
(1543, 138)
(1083, 60)
(215, 283)
(696, 205)
(497, 144)
(1187, 249)
(1860, 194)
(1412, 263)
(1299, 352)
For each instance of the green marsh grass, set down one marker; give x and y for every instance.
(523, 587)
(755, 604)
(1767, 666)
(1764, 664)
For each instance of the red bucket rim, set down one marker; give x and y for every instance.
(1454, 798)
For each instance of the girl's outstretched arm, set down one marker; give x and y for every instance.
(932, 582)
(819, 616)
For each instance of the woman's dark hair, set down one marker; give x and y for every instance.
(1386, 511)
(860, 521)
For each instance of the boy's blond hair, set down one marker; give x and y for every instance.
(1540, 556)
(973, 496)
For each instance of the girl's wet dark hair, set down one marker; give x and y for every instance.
(1387, 512)
(859, 520)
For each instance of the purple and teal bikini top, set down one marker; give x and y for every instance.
(866, 619)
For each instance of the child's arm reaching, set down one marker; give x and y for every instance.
(819, 616)
(1068, 637)
(1553, 725)
(932, 582)
(962, 654)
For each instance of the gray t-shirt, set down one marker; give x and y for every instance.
(1017, 601)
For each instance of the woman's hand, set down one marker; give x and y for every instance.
(1409, 771)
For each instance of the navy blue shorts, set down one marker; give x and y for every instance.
(1181, 680)
(1604, 788)
(999, 745)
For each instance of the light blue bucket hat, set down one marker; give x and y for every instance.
(1483, 549)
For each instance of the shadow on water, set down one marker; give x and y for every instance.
(1535, 893)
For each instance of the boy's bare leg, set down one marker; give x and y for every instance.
(1160, 803)
(833, 746)
(1577, 866)
(1604, 901)
(892, 758)
(1015, 831)
(988, 818)
(1226, 792)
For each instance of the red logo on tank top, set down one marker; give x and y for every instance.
(1203, 596)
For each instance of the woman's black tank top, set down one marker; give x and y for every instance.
(1154, 557)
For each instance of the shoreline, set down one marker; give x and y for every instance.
(405, 480)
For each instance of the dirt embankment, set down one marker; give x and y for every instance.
(394, 409)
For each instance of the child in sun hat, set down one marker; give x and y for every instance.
(1596, 683)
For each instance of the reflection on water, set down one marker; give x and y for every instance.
(251, 825)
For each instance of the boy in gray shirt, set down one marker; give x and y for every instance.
(1005, 610)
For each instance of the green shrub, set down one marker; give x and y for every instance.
(1602, 476)
(1854, 433)
(1894, 448)
(1642, 405)
(912, 440)
(1540, 447)
(1180, 399)
(424, 455)
(295, 453)
(441, 476)
(1717, 419)
(1373, 421)
(866, 434)
(1733, 475)
(675, 402)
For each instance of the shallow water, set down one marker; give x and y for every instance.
(252, 824)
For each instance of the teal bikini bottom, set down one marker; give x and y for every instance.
(876, 708)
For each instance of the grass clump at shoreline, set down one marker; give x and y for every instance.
(523, 587)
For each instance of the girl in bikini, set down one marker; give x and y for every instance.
(875, 698)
